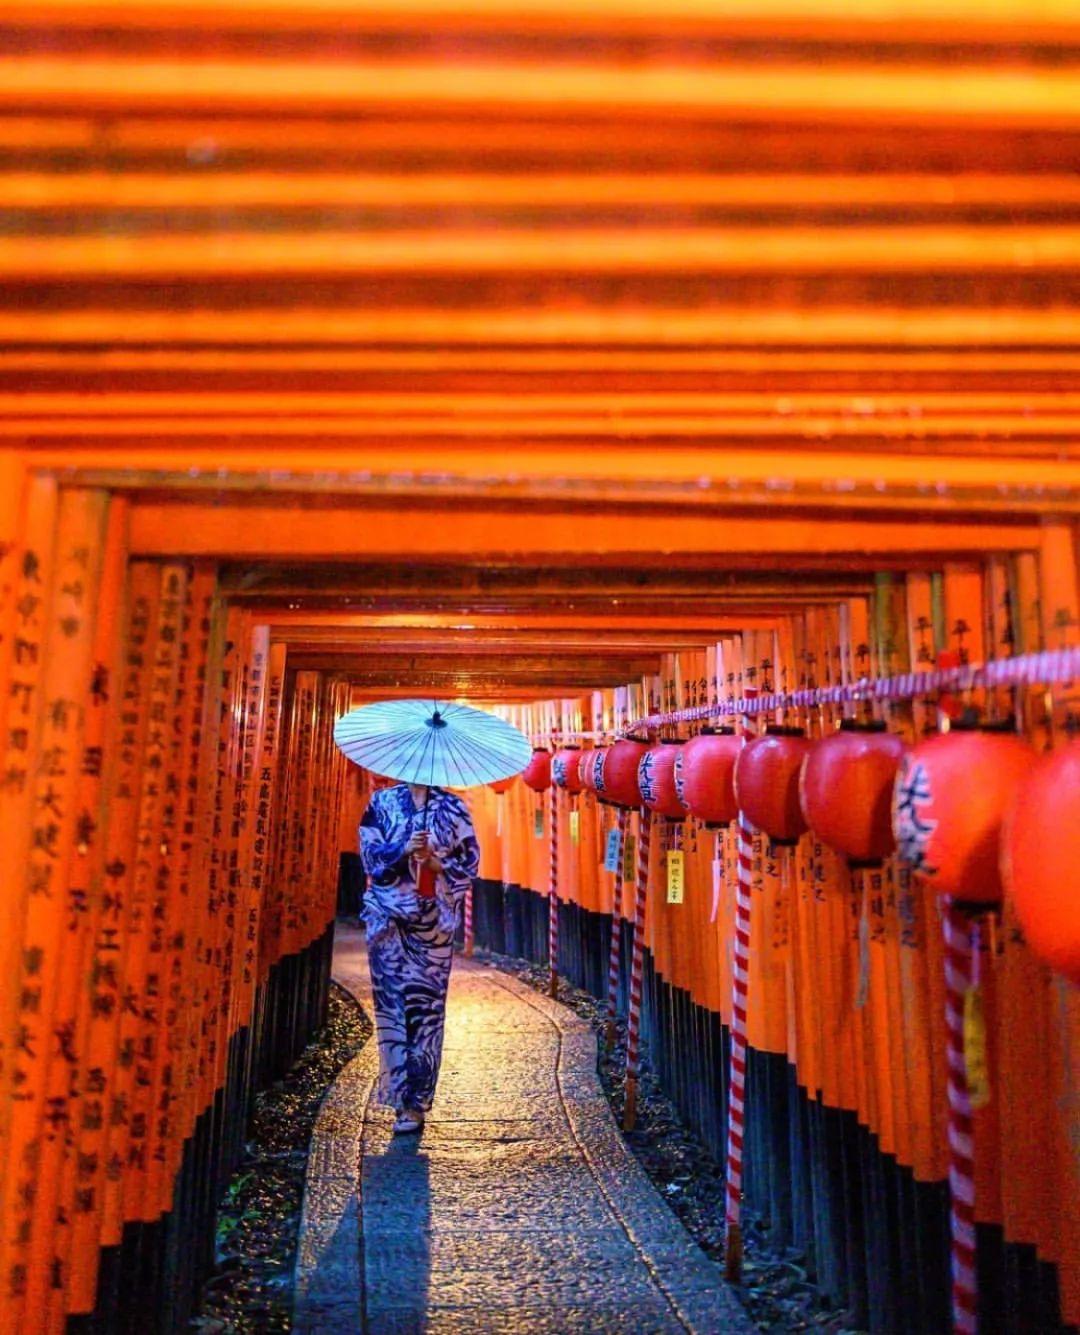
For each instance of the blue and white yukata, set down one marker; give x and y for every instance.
(411, 939)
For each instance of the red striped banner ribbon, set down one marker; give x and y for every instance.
(958, 978)
(616, 931)
(553, 896)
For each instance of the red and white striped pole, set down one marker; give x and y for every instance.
(616, 932)
(468, 920)
(553, 896)
(740, 973)
(637, 960)
(958, 978)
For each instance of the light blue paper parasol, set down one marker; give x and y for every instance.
(432, 742)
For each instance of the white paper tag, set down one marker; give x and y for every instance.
(612, 851)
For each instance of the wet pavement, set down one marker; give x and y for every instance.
(519, 1208)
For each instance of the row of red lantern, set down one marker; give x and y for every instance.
(963, 809)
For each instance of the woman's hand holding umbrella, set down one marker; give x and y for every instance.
(420, 848)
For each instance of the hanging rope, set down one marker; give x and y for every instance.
(958, 978)
(616, 931)
(740, 975)
(1039, 669)
(637, 959)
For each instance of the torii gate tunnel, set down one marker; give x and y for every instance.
(624, 369)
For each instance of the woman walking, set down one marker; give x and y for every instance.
(420, 853)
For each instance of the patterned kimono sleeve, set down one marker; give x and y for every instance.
(382, 849)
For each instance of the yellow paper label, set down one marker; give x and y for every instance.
(628, 859)
(676, 876)
(538, 822)
(978, 1071)
(575, 826)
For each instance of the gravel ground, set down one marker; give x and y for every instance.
(251, 1289)
(776, 1291)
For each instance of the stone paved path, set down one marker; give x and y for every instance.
(519, 1209)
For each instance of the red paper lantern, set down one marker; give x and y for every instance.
(617, 780)
(846, 787)
(1040, 857)
(503, 785)
(565, 768)
(951, 795)
(591, 768)
(767, 783)
(705, 775)
(537, 773)
(656, 780)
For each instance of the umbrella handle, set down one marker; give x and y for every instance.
(425, 884)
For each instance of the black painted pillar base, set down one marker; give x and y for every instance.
(150, 1283)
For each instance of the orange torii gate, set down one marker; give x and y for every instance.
(626, 350)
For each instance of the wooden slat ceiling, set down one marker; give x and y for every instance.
(764, 295)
